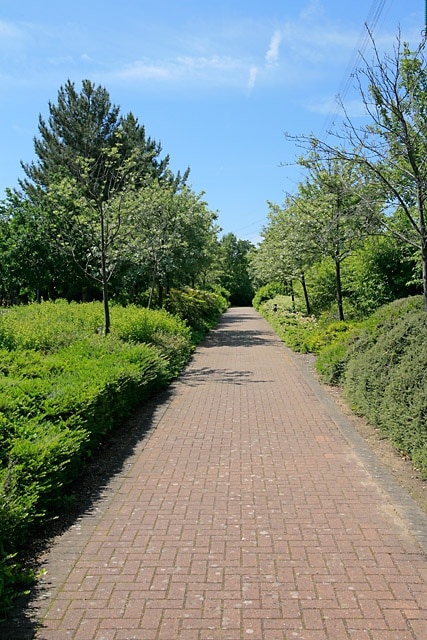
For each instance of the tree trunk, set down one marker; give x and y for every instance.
(306, 298)
(105, 302)
(104, 276)
(153, 284)
(291, 286)
(424, 267)
(339, 290)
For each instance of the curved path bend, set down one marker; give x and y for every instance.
(250, 510)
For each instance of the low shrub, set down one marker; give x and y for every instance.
(380, 361)
(332, 361)
(381, 364)
(267, 292)
(357, 337)
(370, 370)
(404, 406)
(64, 388)
(48, 326)
(199, 309)
(294, 328)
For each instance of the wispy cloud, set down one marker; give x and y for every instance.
(9, 31)
(185, 67)
(253, 72)
(272, 55)
(301, 51)
(144, 70)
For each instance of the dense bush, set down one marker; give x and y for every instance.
(294, 328)
(380, 361)
(334, 357)
(267, 292)
(200, 309)
(385, 382)
(381, 364)
(63, 388)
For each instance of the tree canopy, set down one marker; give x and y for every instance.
(100, 207)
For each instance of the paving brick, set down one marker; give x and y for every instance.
(250, 509)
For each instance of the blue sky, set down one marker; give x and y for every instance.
(217, 83)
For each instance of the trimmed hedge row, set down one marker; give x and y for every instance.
(381, 364)
(63, 388)
(386, 382)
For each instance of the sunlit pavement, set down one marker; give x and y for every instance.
(251, 510)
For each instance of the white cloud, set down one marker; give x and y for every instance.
(313, 10)
(140, 70)
(253, 72)
(211, 69)
(9, 31)
(331, 107)
(272, 55)
(306, 49)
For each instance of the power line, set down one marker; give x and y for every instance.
(369, 27)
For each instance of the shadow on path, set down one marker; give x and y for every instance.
(21, 623)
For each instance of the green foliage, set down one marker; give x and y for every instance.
(31, 327)
(378, 273)
(224, 293)
(295, 329)
(369, 370)
(332, 360)
(385, 379)
(200, 309)
(321, 284)
(380, 361)
(267, 292)
(63, 388)
(356, 338)
(330, 333)
(234, 269)
(135, 324)
(14, 581)
(404, 404)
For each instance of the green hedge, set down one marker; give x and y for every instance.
(386, 383)
(381, 362)
(63, 388)
(200, 309)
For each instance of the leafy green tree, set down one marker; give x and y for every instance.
(86, 126)
(94, 227)
(91, 162)
(173, 232)
(381, 271)
(234, 269)
(195, 251)
(338, 211)
(32, 266)
(392, 146)
(285, 253)
(80, 125)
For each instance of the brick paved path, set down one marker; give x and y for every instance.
(250, 511)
